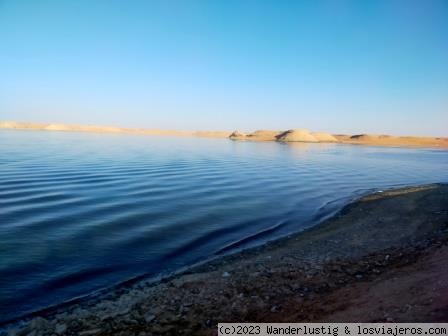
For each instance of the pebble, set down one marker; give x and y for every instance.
(60, 328)
(39, 323)
(225, 274)
(149, 318)
(274, 309)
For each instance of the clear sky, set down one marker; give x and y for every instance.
(339, 66)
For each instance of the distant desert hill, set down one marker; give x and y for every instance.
(303, 135)
(293, 135)
(100, 129)
(389, 140)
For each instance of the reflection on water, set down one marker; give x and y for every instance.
(81, 212)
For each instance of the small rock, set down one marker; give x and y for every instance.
(225, 274)
(60, 328)
(359, 276)
(149, 318)
(14, 332)
(39, 324)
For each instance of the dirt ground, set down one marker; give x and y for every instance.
(381, 259)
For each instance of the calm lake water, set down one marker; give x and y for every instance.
(80, 212)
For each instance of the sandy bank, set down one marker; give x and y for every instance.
(293, 135)
(382, 258)
(108, 129)
(260, 135)
(389, 140)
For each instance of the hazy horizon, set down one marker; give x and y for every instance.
(336, 66)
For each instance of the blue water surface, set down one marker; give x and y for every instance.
(82, 211)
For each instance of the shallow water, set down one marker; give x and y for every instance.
(80, 212)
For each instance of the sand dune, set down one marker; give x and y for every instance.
(260, 135)
(324, 137)
(389, 140)
(293, 135)
(297, 135)
(237, 134)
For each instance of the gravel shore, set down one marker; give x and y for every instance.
(380, 259)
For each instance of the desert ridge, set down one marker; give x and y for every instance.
(303, 135)
(292, 135)
(389, 140)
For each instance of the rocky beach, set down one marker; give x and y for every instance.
(380, 259)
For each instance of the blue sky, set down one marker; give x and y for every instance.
(339, 66)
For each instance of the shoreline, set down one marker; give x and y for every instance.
(291, 279)
(302, 136)
(99, 129)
